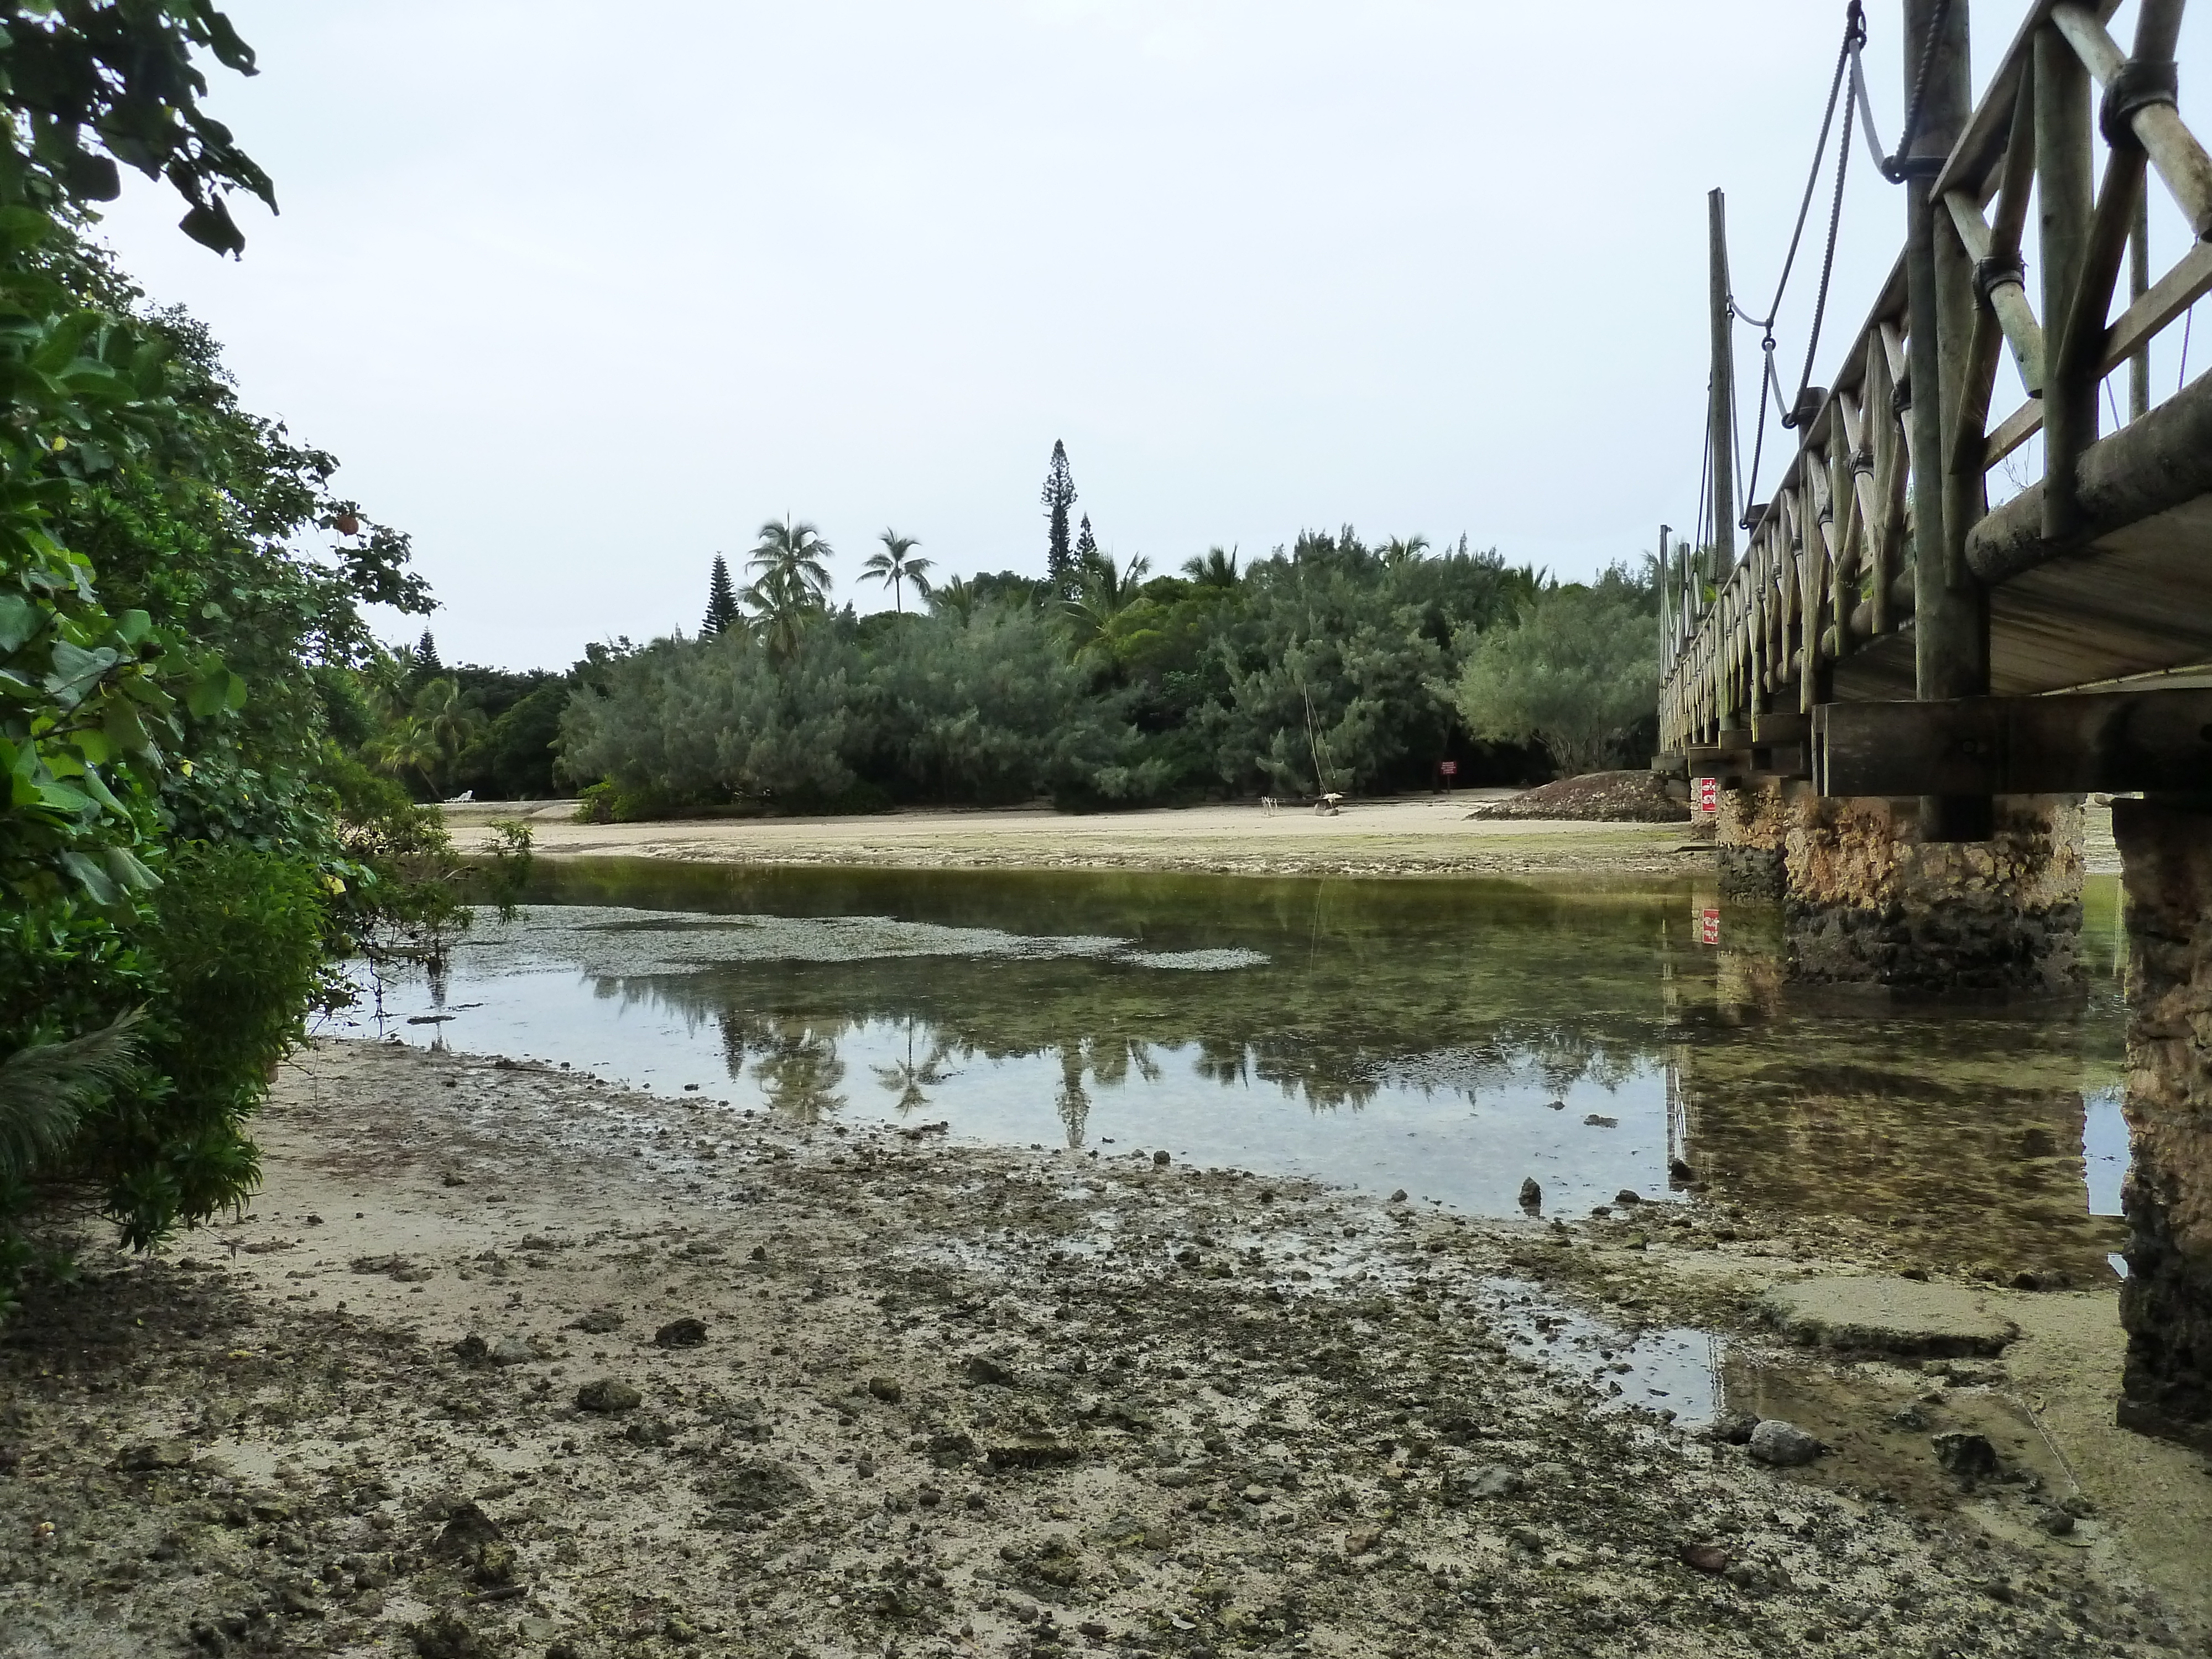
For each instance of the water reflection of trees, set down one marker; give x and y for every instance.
(908, 1079)
(795, 1061)
(1366, 987)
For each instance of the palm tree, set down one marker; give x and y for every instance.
(792, 586)
(955, 599)
(1216, 569)
(793, 555)
(1404, 549)
(896, 565)
(1102, 592)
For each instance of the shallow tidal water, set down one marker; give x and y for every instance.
(1445, 1038)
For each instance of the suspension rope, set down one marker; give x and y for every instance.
(1847, 71)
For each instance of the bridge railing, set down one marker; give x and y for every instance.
(1829, 565)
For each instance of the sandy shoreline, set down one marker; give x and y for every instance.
(1427, 835)
(1417, 836)
(954, 1400)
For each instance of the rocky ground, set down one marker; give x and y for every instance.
(507, 1360)
(1593, 797)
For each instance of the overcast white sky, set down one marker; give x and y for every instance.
(580, 294)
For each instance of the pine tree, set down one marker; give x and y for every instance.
(427, 666)
(721, 602)
(1059, 494)
(1086, 544)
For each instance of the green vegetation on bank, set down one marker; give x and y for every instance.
(1329, 666)
(190, 839)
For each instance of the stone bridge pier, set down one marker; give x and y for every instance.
(1867, 900)
(2165, 854)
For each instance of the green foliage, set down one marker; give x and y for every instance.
(179, 637)
(988, 708)
(514, 854)
(722, 613)
(1056, 497)
(1574, 672)
(1327, 667)
(84, 85)
(236, 952)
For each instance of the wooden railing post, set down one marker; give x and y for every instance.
(1723, 423)
(1950, 615)
(2063, 189)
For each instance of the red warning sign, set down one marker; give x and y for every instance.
(1709, 794)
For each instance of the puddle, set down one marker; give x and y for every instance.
(1447, 1037)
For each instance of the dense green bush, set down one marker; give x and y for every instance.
(186, 838)
(1577, 672)
(1327, 667)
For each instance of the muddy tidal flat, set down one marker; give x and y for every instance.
(508, 1360)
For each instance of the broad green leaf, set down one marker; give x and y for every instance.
(77, 671)
(19, 620)
(129, 871)
(94, 879)
(133, 626)
(61, 798)
(123, 728)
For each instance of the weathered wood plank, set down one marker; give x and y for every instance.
(2104, 741)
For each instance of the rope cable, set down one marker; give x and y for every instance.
(1828, 265)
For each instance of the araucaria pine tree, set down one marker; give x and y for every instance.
(427, 666)
(1058, 496)
(1086, 544)
(721, 602)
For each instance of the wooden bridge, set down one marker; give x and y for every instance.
(1885, 630)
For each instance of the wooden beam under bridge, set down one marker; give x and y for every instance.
(2107, 742)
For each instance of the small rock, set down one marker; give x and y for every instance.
(1909, 1418)
(597, 1323)
(759, 1253)
(445, 1636)
(1625, 1196)
(886, 1390)
(512, 1351)
(1598, 1121)
(1710, 1558)
(1526, 1537)
(1969, 1457)
(2057, 1522)
(471, 1350)
(1398, 1197)
(150, 1455)
(1267, 1194)
(1783, 1445)
(1679, 1173)
(686, 1333)
(608, 1394)
(649, 1431)
(981, 1368)
(467, 1530)
(1160, 1160)
(1556, 1105)
(1532, 1196)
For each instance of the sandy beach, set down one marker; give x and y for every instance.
(1422, 836)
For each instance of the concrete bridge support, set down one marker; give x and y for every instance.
(1867, 901)
(2166, 851)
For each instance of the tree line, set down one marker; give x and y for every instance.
(1331, 665)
